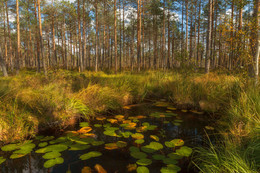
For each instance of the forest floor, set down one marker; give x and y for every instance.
(31, 102)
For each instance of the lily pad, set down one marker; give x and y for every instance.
(47, 138)
(144, 162)
(151, 127)
(142, 169)
(78, 147)
(52, 162)
(121, 144)
(169, 144)
(111, 146)
(43, 144)
(90, 155)
(174, 156)
(158, 157)
(97, 143)
(84, 124)
(138, 136)
(184, 151)
(51, 155)
(97, 125)
(10, 147)
(177, 142)
(126, 134)
(138, 155)
(139, 141)
(169, 161)
(17, 155)
(170, 169)
(154, 137)
(57, 148)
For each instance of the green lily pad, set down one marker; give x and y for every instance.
(97, 125)
(28, 146)
(170, 169)
(51, 155)
(155, 146)
(84, 124)
(147, 149)
(144, 162)
(158, 157)
(169, 144)
(43, 144)
(97, 143)
(139, 141)
(10, 147)
(126, 134)
(178, 121)
(39, 137)
(174, 156)
(151, 127)
(184, 151)
(90, 155)
(59, 140)
(107, 125)
(47, 138)
(110, 133)
(177, 142)
(57, 148)
(78, 147)
(17, 155)
(169, 161)
(52, 162)
(138, 155)
(2, 160)
(134, 149)
(142, 169)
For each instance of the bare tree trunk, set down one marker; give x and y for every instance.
(80, 63)
(257, 34)
(3, 66)
(115, 35)
(37, 38)
(187, 23)
(209, 32)
(10, 40)
(139, 26)
(84, 37)
(198, 44)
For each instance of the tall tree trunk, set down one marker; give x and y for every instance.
(124, 58)
(198, 44)
(18, 38)
(2, 65)
(139, 34)
(84, 36)
(9, 36)
(257, 38)
(41, 40)
(115, 35)
(187, 25)
(163, 38)
(97, 42)
(169, 39)
(209, 32)
(54, 56)
(37, 38)
(79, 39)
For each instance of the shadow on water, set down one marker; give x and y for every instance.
(191, 130)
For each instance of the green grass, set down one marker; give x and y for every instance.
(31, 101)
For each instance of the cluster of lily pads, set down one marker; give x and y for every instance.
(119, 127)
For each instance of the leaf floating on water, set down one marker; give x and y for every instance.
(137, 136)
(111, 146)
(131, 167)
(90, 155)
(169, 161)
(43, 144)
(100, 169)
(134, 149)
(183, 110)
(142, 169)
(121, 144)
(126, 134)
(51, 155)
(174, 156)
(39, 137)
(52, 162)
(85, 130)
(47, 138)
(86, 169)
(138, 155)
(120, 117)
(144, 162)
(2, 160)
(126, 107)
(170, 169)
(158, 157)
(100, 118)
(139, 141)
(10, 147)
(16, 156)
(184, 151)
(177, 142)
(172, 108)
(161, 104)
(97, 143)
(169, 144)
(113, 121)
(97, 125)
(209, 128)
(84, 124)
(57, 148)
(78, 147)
(178, 121)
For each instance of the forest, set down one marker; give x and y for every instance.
(129, 86)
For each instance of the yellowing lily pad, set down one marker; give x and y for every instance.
(177, 142)
(111, 146)
(137, 136)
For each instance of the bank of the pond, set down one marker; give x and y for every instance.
(29, 102)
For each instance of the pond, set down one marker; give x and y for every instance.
(154, 137)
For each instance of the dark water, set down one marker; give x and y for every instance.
(191, 130)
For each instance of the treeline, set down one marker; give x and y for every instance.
(129, 34)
